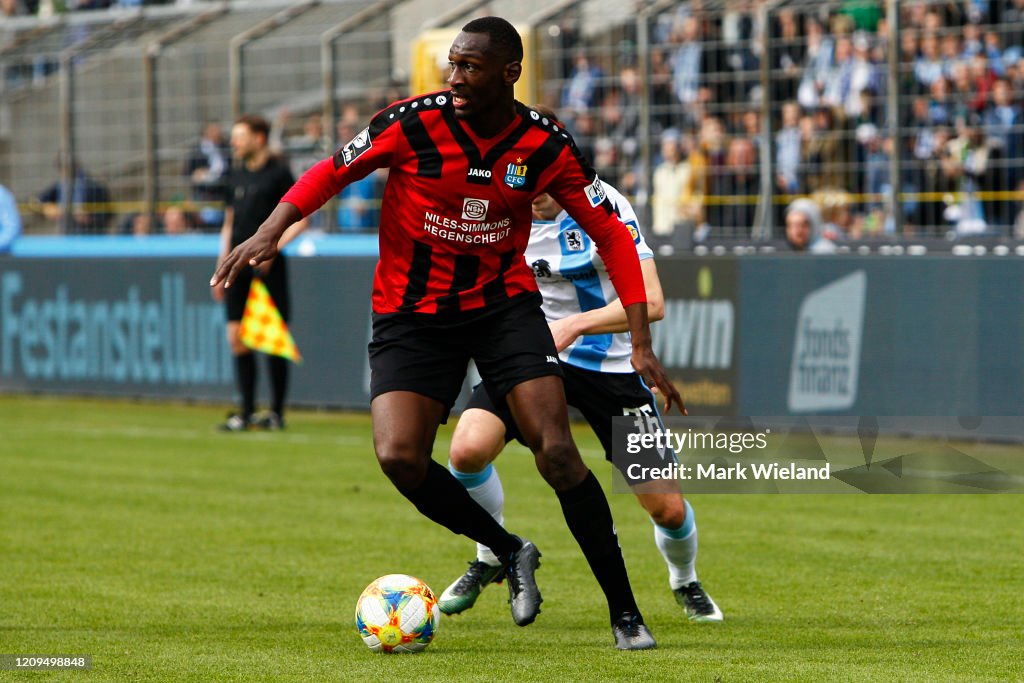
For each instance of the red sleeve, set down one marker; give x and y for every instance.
(374, 147)
(314, 188)
(576, 187)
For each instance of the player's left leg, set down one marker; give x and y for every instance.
(516, 357)
(675, 535)
(478, 439)
(602, 395)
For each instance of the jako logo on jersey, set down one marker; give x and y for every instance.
(515, 176)
(595, 192)
(356, 147)
(541, 268)
(573, 240)
(474, 209)
(475, 173)
(551, 359)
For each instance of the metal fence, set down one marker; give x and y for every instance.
(141, 101)
(714, 117)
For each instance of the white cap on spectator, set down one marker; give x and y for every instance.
(866, 132)
(809, 208)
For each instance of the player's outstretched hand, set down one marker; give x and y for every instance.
(259, 249)
(649, 367)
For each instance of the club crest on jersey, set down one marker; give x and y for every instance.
(573, 240)
(474, 209)
(356, 147)
(515, 176)
(595, 192)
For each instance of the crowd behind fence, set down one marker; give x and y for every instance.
(718, 120)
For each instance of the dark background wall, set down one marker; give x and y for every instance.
(762, 335)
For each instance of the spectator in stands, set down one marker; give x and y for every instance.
(803, 228)
(735, 186)
(865, 78)
(137, 224)
(787, 152)
(983, 78)
(585, 86)
(301, 150)
(660, 92)
(10, 219)
(824, 153)
(967, 163)
(606, 160)
(788, 54)
(622, 112)
(817, 65)
(671, 184)
(928, 67)
(1001, 125)
(686, 61)
(177, 221)
(207, 167)
(89, 200)
(13, 8)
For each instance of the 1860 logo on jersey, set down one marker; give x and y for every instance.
(574, 240)
(474, 209)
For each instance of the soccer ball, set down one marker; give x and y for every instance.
(397, 613)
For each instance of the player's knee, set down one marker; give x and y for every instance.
(559, 462)
(468, 455)
(401, 463)
(668, 512)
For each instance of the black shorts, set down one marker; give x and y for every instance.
(599, 396)
(276, 280)
(411, 352)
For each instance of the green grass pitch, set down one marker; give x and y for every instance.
(137, 534)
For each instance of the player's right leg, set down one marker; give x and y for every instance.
(675, 535)
(416, 374)
(478, 439)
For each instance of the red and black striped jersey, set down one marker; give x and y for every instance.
(456, 211)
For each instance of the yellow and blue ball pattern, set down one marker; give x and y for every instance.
(397, 613)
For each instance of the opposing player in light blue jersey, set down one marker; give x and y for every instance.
(589, 327)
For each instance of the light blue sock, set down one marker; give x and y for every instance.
(679, 548)
(485, 488)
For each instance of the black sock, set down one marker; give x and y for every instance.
(245, 373)
(444, 500)
(278, 382)
(590, 520)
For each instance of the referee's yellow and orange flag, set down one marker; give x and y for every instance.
(262, 327)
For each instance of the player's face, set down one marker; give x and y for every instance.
(244, 143)
(545, 208)
(478, 76)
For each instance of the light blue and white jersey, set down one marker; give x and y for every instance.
(573, 278)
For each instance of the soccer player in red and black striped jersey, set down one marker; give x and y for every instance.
(452, 284)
